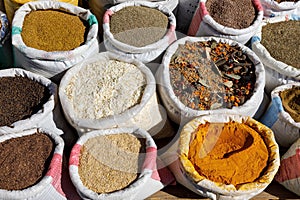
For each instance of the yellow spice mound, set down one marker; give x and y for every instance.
(230, 153)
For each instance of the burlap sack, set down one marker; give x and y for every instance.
(51, 64)
(180, 113)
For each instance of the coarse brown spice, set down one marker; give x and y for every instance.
(236, 14)
(111, 162)
(24, 160)
(53, 30)
(291, 102)
(279, 1)
(138, 25)
(210, 75)
(20, 97)
(281, 39)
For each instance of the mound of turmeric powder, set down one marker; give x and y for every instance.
(230, 153)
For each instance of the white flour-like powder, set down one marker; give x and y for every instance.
(102, 88)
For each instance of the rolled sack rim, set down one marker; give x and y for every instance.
(189, 112)
(47, 179)
(25, 9)
(163, 43)
(145, 175)
(220, 188)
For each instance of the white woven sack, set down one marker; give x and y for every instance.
(203, 24)
(145, 115)
(288, 174)
(180, 113)
(277, 72)
(147, 183)
(272, 8)
(44, 117)
(286, 130)
(49, 187)
(209, 188)
(144, 54)
(52, 63)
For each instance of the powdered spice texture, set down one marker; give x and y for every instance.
(230, 153)
(24, 161)
(20, 97)
(53, 30)
(236, 14)
(291, 102)
(281, 39)
(105, 88)
(111, 162)
(138, 26)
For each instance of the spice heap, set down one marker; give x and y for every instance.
(24, 160)
(281, 39)
(138, 26)
(236, 14)
(291, 102)
(20, 97)
(105, 88)
(111, 162)
(230, 153)
(53, 30)
(210, 75)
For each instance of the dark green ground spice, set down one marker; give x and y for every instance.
(20, 97)
(237, 14)
(24, 160)
(281, 39)
(138, 26)
(210, 75)
(53, 30)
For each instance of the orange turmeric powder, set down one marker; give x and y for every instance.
(230, 153)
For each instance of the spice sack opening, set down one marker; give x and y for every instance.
(35, 168)
(49, 37)
(117, 163)
(209, 75)
(227, 156)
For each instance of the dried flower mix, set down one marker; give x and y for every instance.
(24, 160)
(111, 162)
(53, 30)
(291, 102)
(20, 97)
(229, 153)
(281, 39)
(210, 75)
(105, 88)
(237, 14)
(138, 25)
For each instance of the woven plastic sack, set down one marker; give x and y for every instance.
(44, 117)
(51, 64)
(272, 8)
(148, 181)
(289, 171)
(12, 5)
(277, 72)
(285, 128)
(185, 174)
(144, 54)
(145, 115)
(5, 42)
(178, 112)
(203, 24)
(49, 187)
(98, 7)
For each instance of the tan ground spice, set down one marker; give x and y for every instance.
(281, 39)
(138, 26)
(53, 30)
(291, 102)
(24, 160)
(112, 162)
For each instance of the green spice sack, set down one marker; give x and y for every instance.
(278, 72)
(52, 64)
